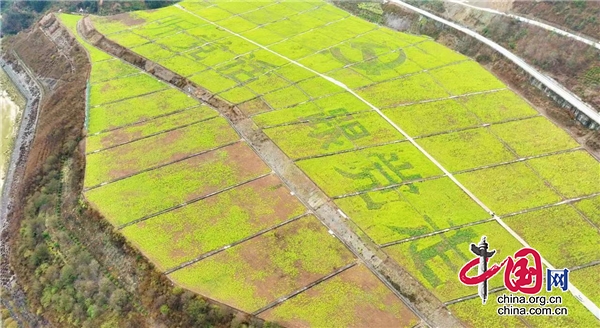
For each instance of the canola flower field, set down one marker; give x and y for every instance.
(348, 101)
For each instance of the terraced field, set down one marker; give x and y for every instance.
(421, 147)
(176, 179)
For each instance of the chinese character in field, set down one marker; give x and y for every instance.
(557, 278)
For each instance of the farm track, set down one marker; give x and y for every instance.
(567, 95)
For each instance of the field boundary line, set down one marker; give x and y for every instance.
(348, 150)
(153, 135)
(582, 298)
(131, 97)
(237, 242)
(538, 208)
(536, 22)
(500, 288)
(478, 126)
(519, 159)
(169, 209)
(307, 287)
(143, 121)
(434, 233)
(152, 168)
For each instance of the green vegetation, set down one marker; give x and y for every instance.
(405, 90)
(572, 174)
(369, 168)
(251, 275)
(534, 136)
(148, 128)
(124, 87)
(411, 210)
(574, 241)
(467, 149)
(586, 280)
(509, 188)
(436, 260)
(498, 106)
(185, 233)
(149, 192)
(353, 298)
(441, 116)
(429, 54)
(157, 150)
(474, 315)
(343, 132)
(590, 208)
(308, 115)
(453, 79)
(138, 109)
(331, 106)
(111, 69)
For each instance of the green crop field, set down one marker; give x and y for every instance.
(509, 188)
(126, 200)
(498, 106)
(574, 240)
(436, 260)
(467, 149)
(411, 210)
(533, 136)
(185, 233)
(590, 208)
(259, 271)
(135, 110)
(313, 78)
(369, 168)
(148, 128)
(123, 87)
(344, 132)
(366, 303)
(160, 149)
(572, 174)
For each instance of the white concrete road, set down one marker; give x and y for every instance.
(583, 107)
(533, 22)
